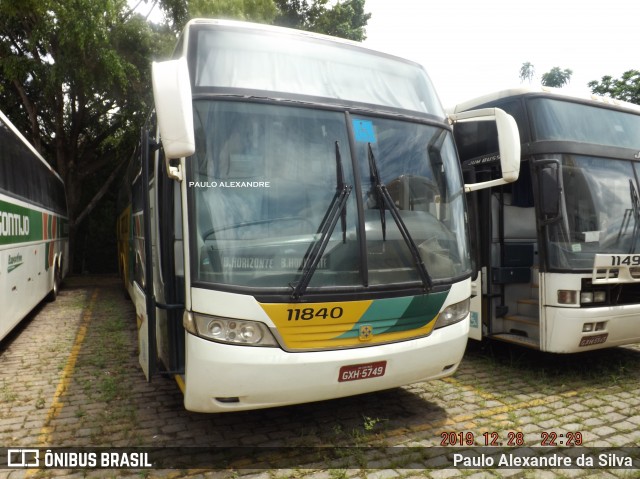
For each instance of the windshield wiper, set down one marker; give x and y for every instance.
(380, 197)
(384, 199)
(336, 209)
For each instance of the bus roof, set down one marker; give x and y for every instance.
(261, 27)
(559, 93)
(268, 28)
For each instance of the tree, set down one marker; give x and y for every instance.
(74, 75)
(178, 12)
(626, 88)
(556, 77)
(527, 72)
(345, 19)
(261, 11)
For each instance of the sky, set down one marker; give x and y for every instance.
(473, 47)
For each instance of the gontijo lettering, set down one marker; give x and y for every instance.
(12, 224)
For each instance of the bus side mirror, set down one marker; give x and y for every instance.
(508, 143)
(174, 110)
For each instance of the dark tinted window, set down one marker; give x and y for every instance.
(563, 120)
(24, 176)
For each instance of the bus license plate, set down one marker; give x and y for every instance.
(355, 372)
(591, 340)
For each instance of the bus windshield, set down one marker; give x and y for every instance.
(600, 211)
(562, 120)
(264, 179)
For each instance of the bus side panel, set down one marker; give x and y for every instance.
(26, 277)
(14, 286)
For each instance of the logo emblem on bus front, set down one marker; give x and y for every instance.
(366, 332)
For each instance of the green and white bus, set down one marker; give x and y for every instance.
(558, 250)
(297, 223)
(34, 243)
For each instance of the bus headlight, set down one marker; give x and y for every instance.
(453, 314)
(587, 297)
(233, 331)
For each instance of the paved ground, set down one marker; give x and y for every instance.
(69, 377)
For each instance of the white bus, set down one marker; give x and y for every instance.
(34, 242)
(307, 218)
(558, 250)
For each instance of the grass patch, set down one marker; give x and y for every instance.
(109, 389)
(102, 374)
(7, 394)
(548, 372)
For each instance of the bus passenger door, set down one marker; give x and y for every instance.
(478, 244)
(170, 254)
(489, 153)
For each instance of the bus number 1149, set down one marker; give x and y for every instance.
(630, 260)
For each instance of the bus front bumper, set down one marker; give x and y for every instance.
(572, 330)
(220, 377)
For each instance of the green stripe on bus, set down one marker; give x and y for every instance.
(19, 224)
(396, 315)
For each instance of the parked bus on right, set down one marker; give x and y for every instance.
(557, 251)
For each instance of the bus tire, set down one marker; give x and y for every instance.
(53, 294)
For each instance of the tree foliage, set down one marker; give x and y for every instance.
(178, 12)
(626, 88)
(345, 19)
(261, 11)
(527, 72)
(74, 78)
(557, 77)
